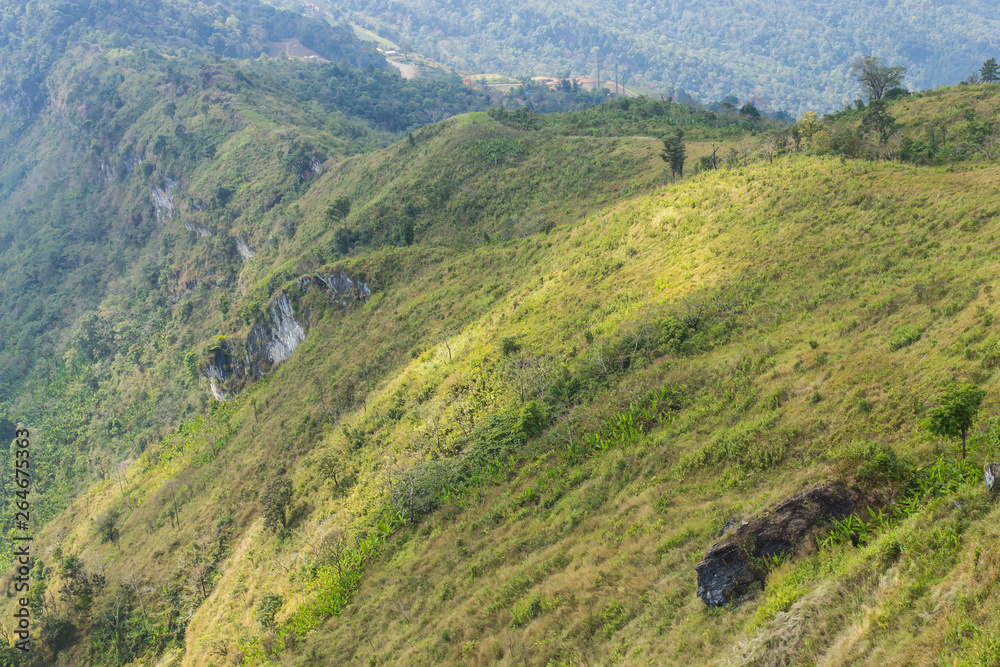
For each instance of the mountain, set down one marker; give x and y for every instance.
(790, 55)
(138, 164)
(323, 366)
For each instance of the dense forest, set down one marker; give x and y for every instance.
(794, 55)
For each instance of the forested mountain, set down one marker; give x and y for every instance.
(136, 160)
(795, 55)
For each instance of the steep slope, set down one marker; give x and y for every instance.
(137, 169)
(516, 452)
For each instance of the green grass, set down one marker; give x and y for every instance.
(694, 352)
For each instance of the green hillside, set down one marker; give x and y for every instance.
(323, 366)
(567, 378)
(796, 55)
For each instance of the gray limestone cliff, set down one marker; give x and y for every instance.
(276, 334)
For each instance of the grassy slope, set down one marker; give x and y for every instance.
(589, 559)
(608, 564)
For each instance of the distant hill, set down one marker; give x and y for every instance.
(796, 55)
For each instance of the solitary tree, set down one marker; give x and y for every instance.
(990, 73)
(338, 209)
(807, 126)
(674, 153)
(875, 76)
(954, 417)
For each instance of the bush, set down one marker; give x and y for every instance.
(495, 438)
(267, 608)
(533, 419)
(877, 464)
(107, 524)
(275, 501)
(904, 336)
(415, 492)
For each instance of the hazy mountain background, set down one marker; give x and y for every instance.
(796, 55)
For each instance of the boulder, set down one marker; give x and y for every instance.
(736, 566)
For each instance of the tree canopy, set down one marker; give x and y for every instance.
(875, 76)
(990, 72)
(956, 414)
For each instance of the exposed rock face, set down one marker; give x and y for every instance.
(245, 252)
(340, 286)
(163, 198)
(274, 337)
(286, 334)
(733, 567)
(992, 477)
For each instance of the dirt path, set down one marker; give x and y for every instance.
(406, 71)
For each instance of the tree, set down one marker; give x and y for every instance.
(338, 209)
(107, 525)
(674, 153)
(275, 501)
(877, 119)
(769, 147)
(267, 609)
(990, 73)
(875, 76)
(749, 110)
(807, 126)
(342, 240)
(954, 417)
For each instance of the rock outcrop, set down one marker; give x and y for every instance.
(274, 336)
(991, 475)
(736, 566)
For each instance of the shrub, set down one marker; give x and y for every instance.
(267, 608)
(495, 438)
(415, 492)
(904, 336)
(876, 464)
(275, 501)
(107, 524)
(533, 419)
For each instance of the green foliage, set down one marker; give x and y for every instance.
(275, 501)
(533, 419)
(877, 465)
(497, 150)
(674, 153)
(496, 438)
(342, 241)
(677, 48)
(268, 607)
(904, 336)
(990, 72)
(530, 607)
(107, 524)
(80, 586)
(876, 77)
(338, 209)
(956, 413)
(878, 120)
(417, 491)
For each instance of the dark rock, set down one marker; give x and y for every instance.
(992, 476)
(733, 568)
